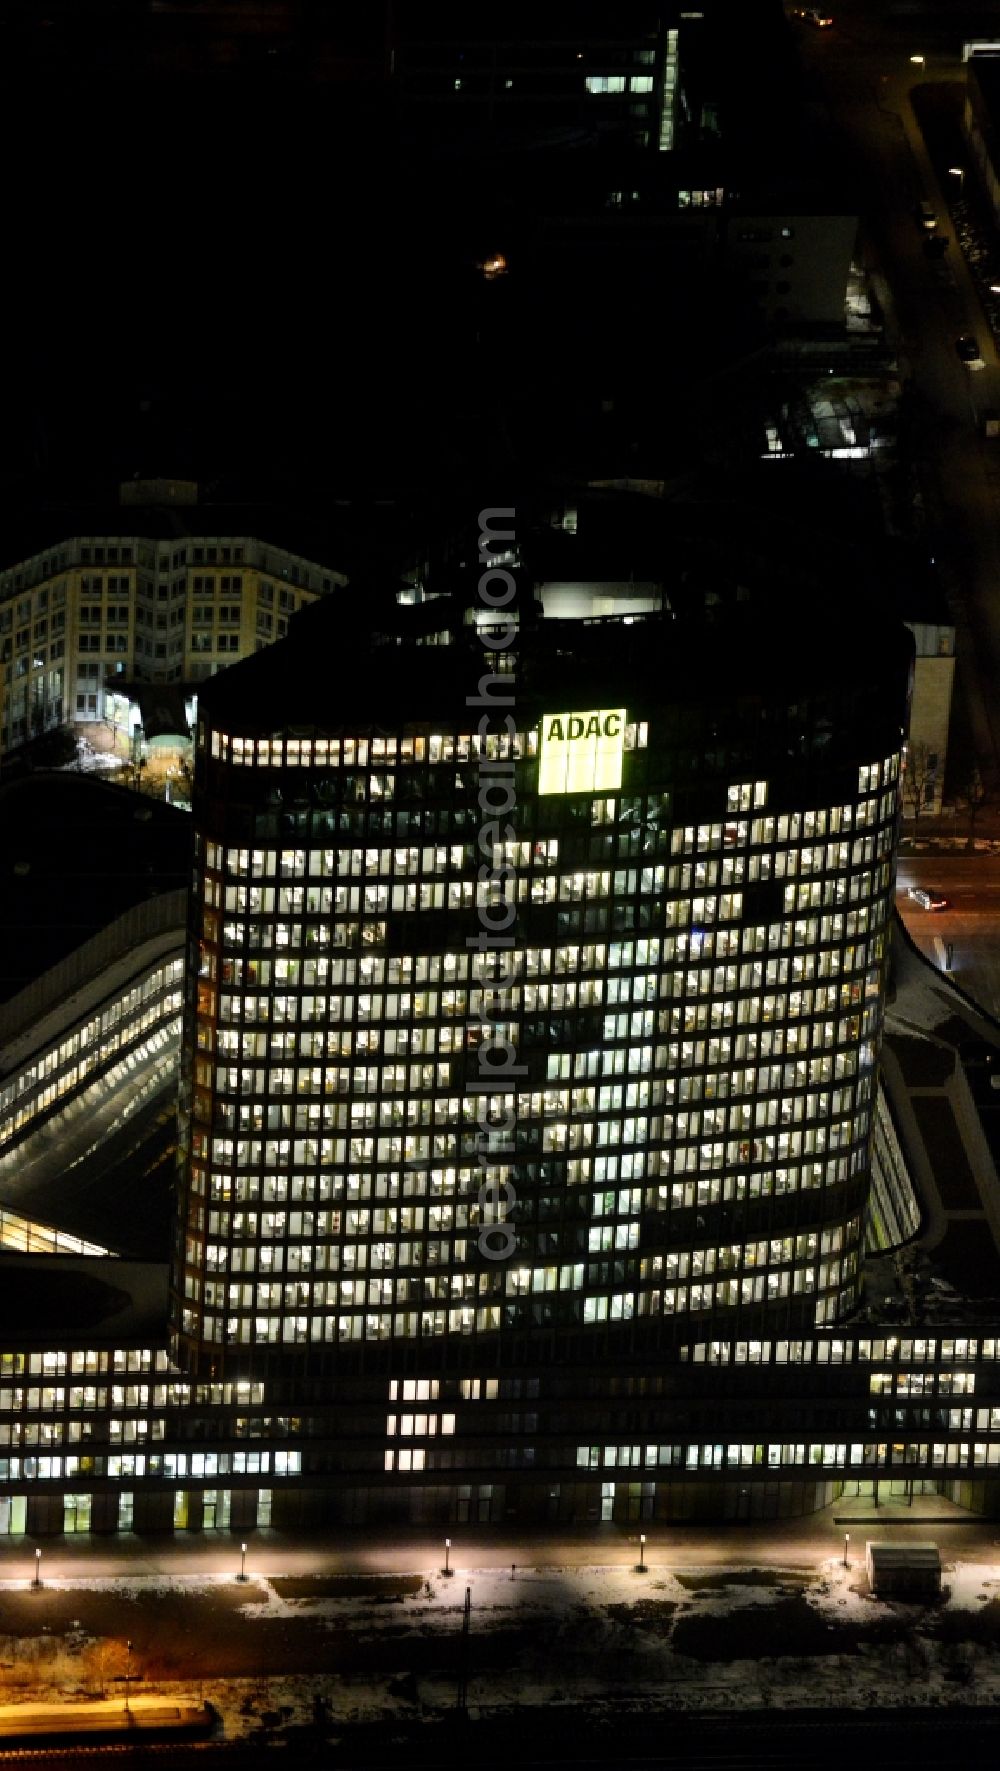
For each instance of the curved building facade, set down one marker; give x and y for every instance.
(538, 989)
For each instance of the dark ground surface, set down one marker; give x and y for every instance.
(565, 1735)
(202, 1632)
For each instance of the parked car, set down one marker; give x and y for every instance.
(928, 898)
(967, 348)
(813, 15)
(936, 245)
(925, 217)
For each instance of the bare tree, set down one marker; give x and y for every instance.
(973, 794)
(919, 774)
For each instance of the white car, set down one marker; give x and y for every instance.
(927, 898)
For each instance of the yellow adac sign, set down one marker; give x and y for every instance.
(582, 752)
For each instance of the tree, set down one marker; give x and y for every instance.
(919, 776)
(973, 794)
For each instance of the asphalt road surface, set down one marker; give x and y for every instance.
(970, 925)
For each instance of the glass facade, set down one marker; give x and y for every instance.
(694, 1001)
(526, 1122)
(131, 1034)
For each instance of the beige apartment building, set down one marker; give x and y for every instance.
(164, 592)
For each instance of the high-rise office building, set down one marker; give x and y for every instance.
(535, 74)
(528, 1090)
(680, 829)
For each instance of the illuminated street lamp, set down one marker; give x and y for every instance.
(642, 1552)
(447, 1557)
(847, 1539)
(917, 60)
(38, 1569)
(243, 1562)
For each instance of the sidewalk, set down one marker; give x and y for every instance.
(950, 835)
(421, 1549)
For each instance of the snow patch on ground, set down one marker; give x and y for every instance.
(601, 1637)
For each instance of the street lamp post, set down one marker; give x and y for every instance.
(642, 1552)
(38, 1569)
(847, 1539)
(959, 173)
(243, 1562)
(128, 1672)
(447, 1557)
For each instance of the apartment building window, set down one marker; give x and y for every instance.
(202, 615)
(230, 613)
(227, 642)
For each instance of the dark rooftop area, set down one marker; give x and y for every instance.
(324, 540)
(76, 854)
(737, 585)
(45, 1298)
